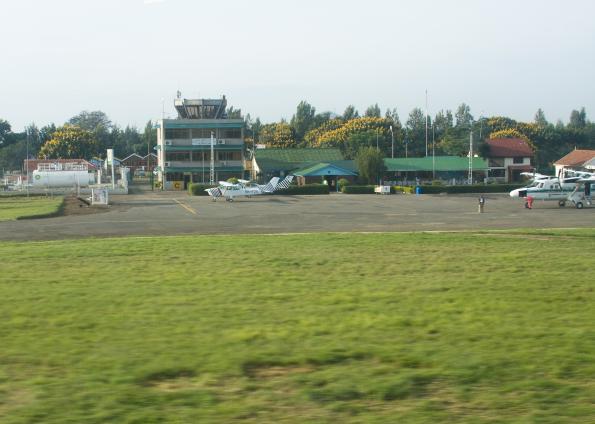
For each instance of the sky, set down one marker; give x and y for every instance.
(128, 58)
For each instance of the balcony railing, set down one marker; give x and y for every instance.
(204, 142)
(206, 164)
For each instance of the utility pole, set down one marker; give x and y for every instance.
(212, 171)
(27, 162)
(377, 139)
(433, 153)
(426, 123)
(392, 143)
(471, 157)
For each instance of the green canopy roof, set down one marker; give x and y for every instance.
(322, 168)
(440, 164)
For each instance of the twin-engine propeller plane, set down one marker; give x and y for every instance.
(246, 188)
(576, 189)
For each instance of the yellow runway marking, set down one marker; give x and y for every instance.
(188, 208)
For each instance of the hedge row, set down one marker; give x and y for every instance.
(198, 189)
(402, 189)
(475, 188)
(358, 189)
(305, 189)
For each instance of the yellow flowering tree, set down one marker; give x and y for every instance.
(512, 133)
(335, 137)
(279, 134)
(70, 142)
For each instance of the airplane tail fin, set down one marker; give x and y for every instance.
(285, 183)
(270, 186)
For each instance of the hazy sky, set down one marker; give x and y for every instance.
(123, 57)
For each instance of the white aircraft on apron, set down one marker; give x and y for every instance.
(576, 189)
(246, 188)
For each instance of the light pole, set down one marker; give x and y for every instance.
(426, 123)
(392, 143)
(377, 139)
(212, 164)
(433, 153)
(406, 141)
(27, 162)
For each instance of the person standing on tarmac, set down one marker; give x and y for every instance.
(482, 202)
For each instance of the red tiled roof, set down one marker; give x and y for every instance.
(509, 148)
(576, 158)
(32, 163)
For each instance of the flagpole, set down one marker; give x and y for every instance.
(426, 123)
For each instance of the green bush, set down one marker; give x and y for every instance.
(198, 189)
(358, 189)
(402, 189)
(343, 182)
(305, 189)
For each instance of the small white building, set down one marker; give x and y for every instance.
(578, 160)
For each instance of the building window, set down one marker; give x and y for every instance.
(496, 162)
(517, 160)
(203, 132)
(232, 133)
(177, 156)
(174, 176)
(229, 156)
(200, 156)
(176, 133)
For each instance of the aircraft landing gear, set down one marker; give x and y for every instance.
(561, 203)
(579, 205)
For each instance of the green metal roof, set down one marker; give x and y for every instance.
(440, 164)
(299, 155)
(322, 168)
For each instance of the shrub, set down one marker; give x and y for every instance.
(232, 180)
(475, 188)
(343, 182)
(402, 189)
(198, 189)
(305, 189)
(358, 189)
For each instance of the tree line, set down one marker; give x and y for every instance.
(86, 135)
(446, 132)
(89, 134)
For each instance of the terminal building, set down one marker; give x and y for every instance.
(184, 144)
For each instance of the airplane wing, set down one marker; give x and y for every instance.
(582, 174)
(536, 176)
(226, 184)
(243, 181)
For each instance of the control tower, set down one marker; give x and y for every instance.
(184, 144)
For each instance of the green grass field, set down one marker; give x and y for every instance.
(23, 207)
(361, 328)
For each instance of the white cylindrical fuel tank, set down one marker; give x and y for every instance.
(61, 178)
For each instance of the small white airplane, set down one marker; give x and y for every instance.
(561, 189)
(247, 188)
